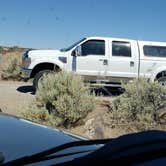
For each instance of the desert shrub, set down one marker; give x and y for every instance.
(40, 115)
(11, 67)
(65, 97)
(140, 105)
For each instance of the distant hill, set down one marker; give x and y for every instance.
(5, 49)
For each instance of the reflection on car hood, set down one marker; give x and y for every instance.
(20, 137)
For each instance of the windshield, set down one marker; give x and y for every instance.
(73, 45)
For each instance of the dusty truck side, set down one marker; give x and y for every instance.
(100, 61)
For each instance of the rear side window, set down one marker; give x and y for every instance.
(120, 48)
(155, 51)
(93, 47)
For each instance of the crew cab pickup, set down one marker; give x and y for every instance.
(101, 61)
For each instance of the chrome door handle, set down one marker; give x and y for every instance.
(105, 61)
(131, 63)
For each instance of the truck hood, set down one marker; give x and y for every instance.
(45, 53)
(20, 137)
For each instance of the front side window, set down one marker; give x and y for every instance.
(120, 48)
(93, 47)
(73, 45)
(154, 51)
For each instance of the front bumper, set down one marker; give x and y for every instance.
(26, 73)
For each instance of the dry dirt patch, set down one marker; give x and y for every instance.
(14, 96)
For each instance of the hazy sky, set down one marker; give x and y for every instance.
(59, 23)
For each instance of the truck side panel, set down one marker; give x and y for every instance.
(150, 61)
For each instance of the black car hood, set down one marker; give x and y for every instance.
(20, 137)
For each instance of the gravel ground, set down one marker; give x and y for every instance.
(14, 96)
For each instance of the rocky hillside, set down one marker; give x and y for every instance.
(6, 53)
(5, 50)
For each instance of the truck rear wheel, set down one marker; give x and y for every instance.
(162, 80)
(39, 76)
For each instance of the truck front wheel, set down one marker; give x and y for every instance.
(39, 76)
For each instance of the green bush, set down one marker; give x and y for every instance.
(139, 105)
(65, 97)
(11, 69)
(40, 115)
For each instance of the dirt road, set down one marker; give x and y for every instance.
(14, 96)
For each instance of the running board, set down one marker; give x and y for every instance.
(103, 84)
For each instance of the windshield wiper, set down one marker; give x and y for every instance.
(40, 159)
(129, 149)
(44, 155)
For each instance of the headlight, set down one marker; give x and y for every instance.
(26, 62)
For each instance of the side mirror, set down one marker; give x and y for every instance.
(73, 53)
(77, 51)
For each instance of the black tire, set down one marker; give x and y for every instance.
(162, 80)
(38, 76)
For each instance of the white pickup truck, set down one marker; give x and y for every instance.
(100, 60)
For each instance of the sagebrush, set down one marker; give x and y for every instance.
(65, 97)
(140, 106)
(11, 69)
(40, 115)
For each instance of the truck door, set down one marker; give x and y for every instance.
(93, 61)
(124, 59)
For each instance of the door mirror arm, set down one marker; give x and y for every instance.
(77, 51)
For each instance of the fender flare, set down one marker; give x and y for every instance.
(37, 62)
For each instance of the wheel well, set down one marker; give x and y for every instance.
(44, 66)
(161, 74)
